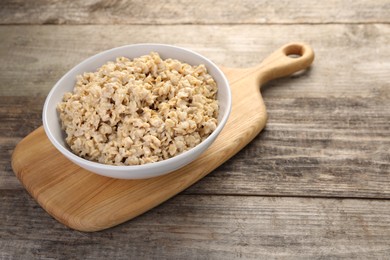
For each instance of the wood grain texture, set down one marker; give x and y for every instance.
(19, 116)
(328, 129)
(352, 63)
(333, 147)
(193, 12)
(88, 202)
(339, 107)
(209, 227)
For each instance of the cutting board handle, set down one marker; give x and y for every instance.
(285, 61)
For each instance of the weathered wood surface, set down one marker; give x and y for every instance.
(35, 57)
(327, 136)
(323, 126)
(333, 147)
(207, 227)
(193, 12)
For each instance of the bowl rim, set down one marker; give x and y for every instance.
(147, 166)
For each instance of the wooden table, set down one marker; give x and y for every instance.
(314, 184)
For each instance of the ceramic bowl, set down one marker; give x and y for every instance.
(56, 135)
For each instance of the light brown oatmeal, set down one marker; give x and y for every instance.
(132, 112)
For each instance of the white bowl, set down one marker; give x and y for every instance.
(56, 135)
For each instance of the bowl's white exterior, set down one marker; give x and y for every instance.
(56, 135)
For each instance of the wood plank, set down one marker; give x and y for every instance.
(8, 181)
(351, 60)
(216, 227)
(324, 146)
(193, 12)
(337, 147)
(19, 116)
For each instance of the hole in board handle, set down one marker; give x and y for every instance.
(294, 56)
(294, 51)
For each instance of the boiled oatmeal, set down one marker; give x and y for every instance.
(132, 112)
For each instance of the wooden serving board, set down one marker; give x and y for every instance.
(89, 202)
